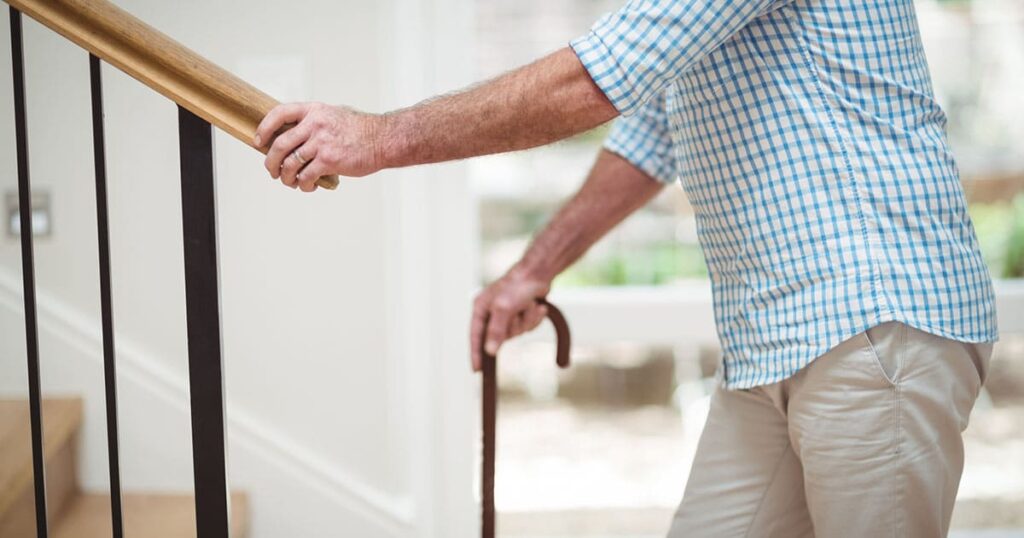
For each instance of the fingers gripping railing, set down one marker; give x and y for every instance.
(163, 64)
(490, 415)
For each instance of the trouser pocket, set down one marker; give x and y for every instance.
(885, 344)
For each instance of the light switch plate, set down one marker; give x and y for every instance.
(42, 218)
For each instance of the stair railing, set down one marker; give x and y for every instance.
(207, 96)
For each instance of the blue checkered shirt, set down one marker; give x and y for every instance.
(808, 139)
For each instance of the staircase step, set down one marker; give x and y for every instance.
(62, 418)
(149, 515)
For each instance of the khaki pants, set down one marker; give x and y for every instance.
(864, 442)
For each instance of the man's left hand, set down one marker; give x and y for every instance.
(325, 140)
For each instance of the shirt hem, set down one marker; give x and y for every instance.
(990, 336)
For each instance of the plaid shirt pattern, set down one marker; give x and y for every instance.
(808, 139)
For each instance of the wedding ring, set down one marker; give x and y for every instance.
(298, 157)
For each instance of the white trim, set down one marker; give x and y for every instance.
(406, 254)
(430, 234)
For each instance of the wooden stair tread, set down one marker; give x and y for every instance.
(148, 515)
(62, 418)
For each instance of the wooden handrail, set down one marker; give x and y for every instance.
(161, 63)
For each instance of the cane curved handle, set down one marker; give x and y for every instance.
(490, 414)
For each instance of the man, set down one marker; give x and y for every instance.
(854, 310)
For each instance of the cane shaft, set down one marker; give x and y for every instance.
(490, 415)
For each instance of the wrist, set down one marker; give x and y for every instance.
(392, 141)
(540, 275)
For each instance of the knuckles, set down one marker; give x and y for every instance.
(504, 304)
(330, 156)
(316, 121)
(289, 165)
(331, 130)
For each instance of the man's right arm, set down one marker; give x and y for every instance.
(614, 189)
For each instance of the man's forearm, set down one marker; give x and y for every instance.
(546, 101)
(614, 190)
(509, 307)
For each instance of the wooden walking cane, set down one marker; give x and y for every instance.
(490, 413)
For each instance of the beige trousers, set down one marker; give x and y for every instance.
(863, 442)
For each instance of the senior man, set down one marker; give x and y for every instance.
(854, 310)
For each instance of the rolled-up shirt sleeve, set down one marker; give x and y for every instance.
(644, 140)
(633, 53)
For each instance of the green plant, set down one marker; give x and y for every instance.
(1014, 264)
(650, 264)
(1000, 228)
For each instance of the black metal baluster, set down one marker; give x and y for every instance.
(202, 305)
(106, 303)
(28, 272)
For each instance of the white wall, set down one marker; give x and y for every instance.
(349, 403)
